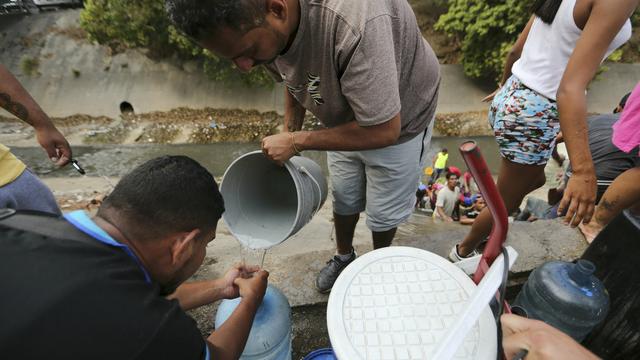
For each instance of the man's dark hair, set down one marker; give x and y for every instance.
(546, 10)
(165, 195)
(199, 18)
(450, 174)
(444, 150)
(623, 101)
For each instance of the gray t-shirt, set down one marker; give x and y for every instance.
(447, 199)
(608, 160)
(362, 60)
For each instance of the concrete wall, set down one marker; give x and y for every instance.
(79, 77)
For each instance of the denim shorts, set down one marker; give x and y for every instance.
(525, 123)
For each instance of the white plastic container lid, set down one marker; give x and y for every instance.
(397, 303)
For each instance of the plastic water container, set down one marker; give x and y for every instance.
(566, 296)
(266, 203)
(321, 354)
(270, 336)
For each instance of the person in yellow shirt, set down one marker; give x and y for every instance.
(19, 188)
(439, 164)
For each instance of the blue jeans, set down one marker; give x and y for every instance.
(27, 192)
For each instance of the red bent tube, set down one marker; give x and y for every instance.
(478, 167)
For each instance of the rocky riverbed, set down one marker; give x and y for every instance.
(199, 126)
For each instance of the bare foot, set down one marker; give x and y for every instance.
(590, 230)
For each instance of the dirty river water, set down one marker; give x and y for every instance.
(117, 160)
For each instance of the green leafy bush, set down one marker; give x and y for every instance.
(125, 24)
(486, 30)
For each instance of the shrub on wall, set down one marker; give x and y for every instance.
(486, 30)
(125, 24)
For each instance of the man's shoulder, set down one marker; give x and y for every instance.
(354, 13)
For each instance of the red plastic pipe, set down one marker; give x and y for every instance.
(482, 176)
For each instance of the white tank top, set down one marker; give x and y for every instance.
(548, 48)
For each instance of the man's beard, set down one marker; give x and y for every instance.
(282, 47)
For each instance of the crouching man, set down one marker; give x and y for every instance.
(109, 287)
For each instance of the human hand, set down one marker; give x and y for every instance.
(54, 144)
(559, 138)
(229, 289)
(579, 198)
(252, 288)
(448, 219)
(541, 341)
(279, 147)
(490, 97)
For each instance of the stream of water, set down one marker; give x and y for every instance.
(117, 160)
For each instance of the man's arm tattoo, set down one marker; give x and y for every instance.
(610, 206)
(13, 107)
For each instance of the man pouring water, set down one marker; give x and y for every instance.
(364, 70)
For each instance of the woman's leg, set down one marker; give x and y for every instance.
(515, 181)
(623, 193)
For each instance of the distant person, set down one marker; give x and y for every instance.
(469, 216)
(543, 89)
(19, 188)
(439, 164)
(112, 286)
(454, 170)
(469, 185)
(420, 195)
(447, 199)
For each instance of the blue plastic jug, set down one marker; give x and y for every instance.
(566, 296)
(321, 354)
(270, 336)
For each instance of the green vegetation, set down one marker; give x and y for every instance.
(477, 33)
(29, 66)
(486, 30)
(124, 24)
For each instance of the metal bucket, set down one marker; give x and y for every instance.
(265, 204)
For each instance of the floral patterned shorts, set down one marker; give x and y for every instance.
(525, 123)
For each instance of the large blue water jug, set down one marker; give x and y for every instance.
(270, 337)
(566, 296)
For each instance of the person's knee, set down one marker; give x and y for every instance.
(379, 220)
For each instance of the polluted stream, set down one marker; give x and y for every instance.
(117, 160)
(309, 328)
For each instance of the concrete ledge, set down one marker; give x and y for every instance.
(294, 264)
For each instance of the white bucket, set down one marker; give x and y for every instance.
(398, 303)
(265, 203)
